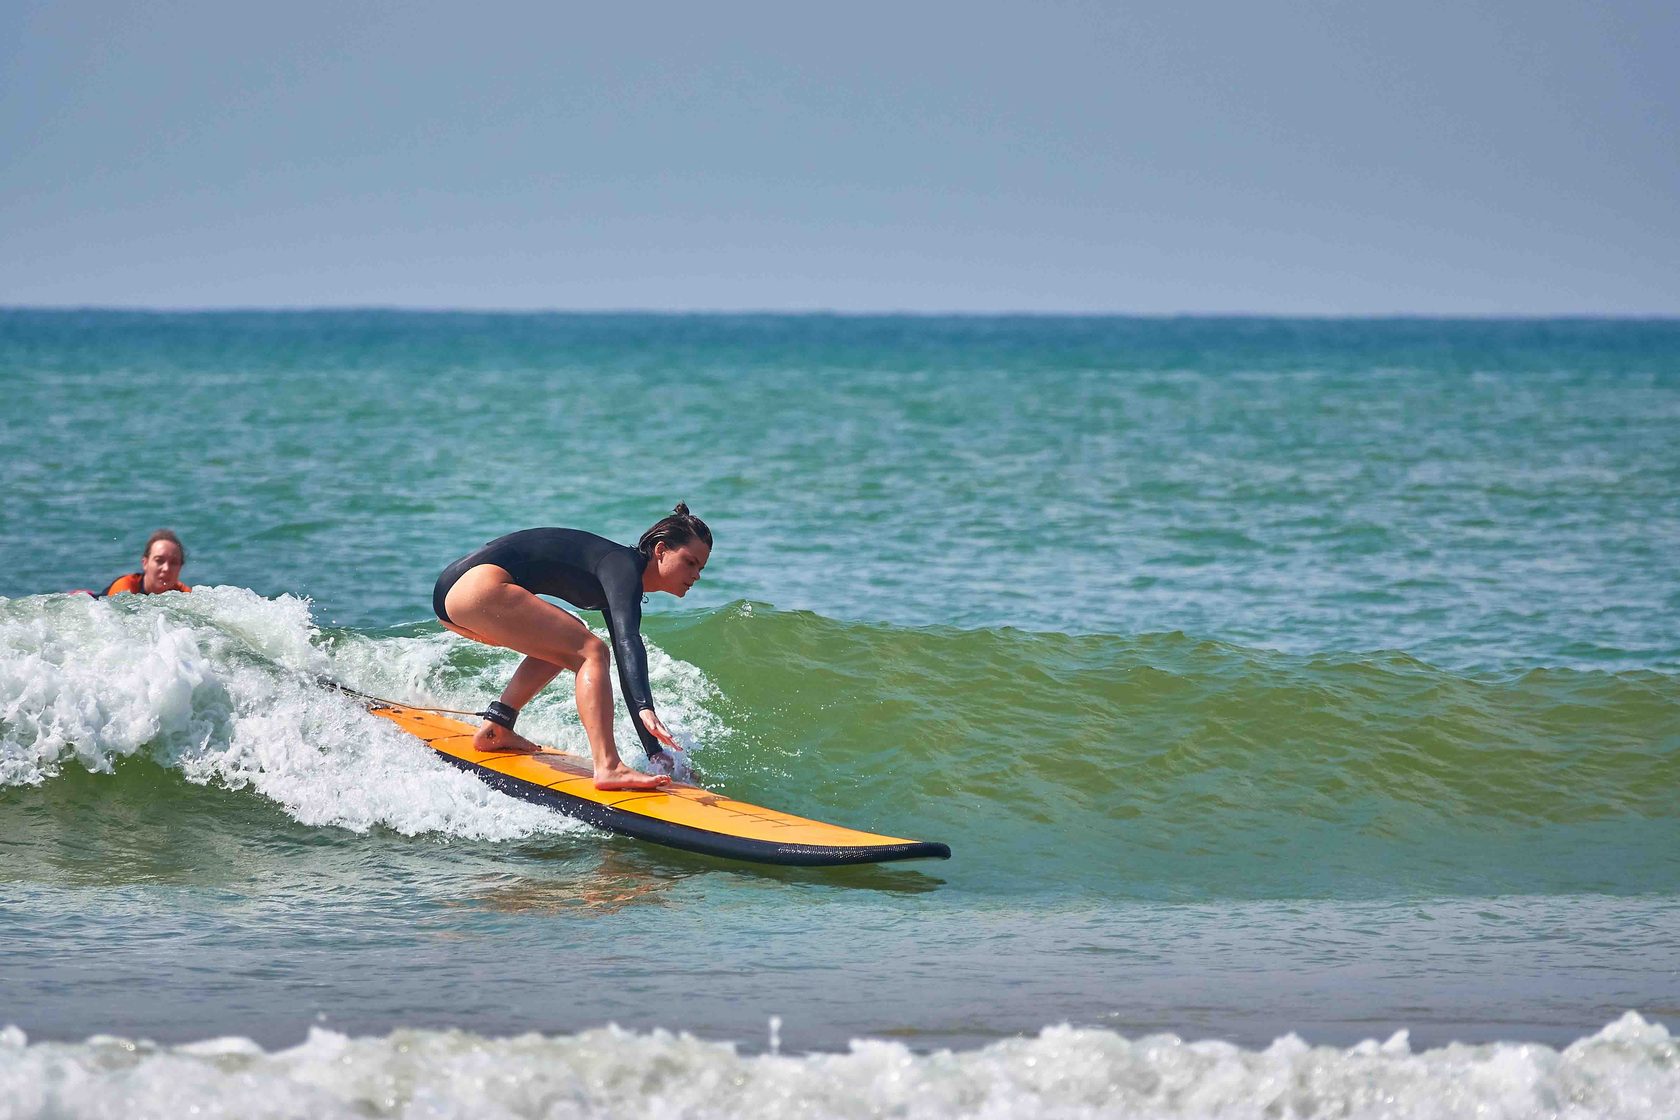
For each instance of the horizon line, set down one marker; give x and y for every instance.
(836, 313)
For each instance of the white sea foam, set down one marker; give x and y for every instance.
(1629, 1069)
(445, 671)
(222, 685)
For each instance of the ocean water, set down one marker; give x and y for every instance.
(1300, 700)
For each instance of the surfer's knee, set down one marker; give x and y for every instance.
(592, 651)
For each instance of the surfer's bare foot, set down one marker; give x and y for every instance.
(495, 737)
(626, 778)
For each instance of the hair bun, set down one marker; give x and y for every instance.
(674, 530)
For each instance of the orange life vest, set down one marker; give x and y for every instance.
(135, 582)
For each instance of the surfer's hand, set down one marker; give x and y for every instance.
(658, 729)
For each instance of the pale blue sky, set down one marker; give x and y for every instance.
(1322, 158)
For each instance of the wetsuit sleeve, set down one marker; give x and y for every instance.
(623, 614)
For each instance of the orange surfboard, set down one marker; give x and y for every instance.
(678, 815)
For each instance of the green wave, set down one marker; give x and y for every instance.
(1150, 766)
(1164, 763)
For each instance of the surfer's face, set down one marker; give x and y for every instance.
(160, 569)
(679, 568)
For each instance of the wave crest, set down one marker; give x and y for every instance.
(221, 687)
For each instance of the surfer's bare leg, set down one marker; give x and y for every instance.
(493, 736)
(530, 678)
(595, 707)
(487, 606)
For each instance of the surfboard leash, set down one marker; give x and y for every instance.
(328, 682)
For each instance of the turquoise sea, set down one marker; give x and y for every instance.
(1300, 700)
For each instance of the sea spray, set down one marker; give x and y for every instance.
(224, 687)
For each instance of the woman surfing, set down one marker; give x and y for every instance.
(490, 596)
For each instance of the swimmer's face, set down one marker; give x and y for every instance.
(160, 568)
(679, 568)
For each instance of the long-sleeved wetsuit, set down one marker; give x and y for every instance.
(586, 571)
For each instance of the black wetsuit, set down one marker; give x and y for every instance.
(586, 571)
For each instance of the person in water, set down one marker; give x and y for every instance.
(490, 596)
(160, 568)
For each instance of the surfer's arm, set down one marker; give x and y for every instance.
(623, 615)
(630, 659)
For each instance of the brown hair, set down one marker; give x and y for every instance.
(164, 535)
(674, 531)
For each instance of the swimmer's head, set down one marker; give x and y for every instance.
(677, 548)
(161, 562)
